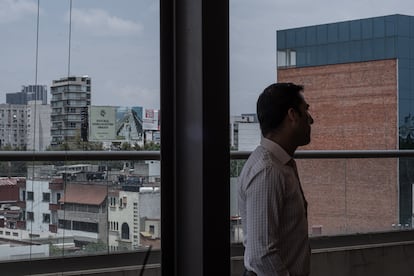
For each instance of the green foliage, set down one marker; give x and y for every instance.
(98, 247)
(13, 168)
(126, 146)
(152, 146)
(236, 166)
(55, 251)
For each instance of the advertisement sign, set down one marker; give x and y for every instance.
(150, 119)
(102, 123)
(129, 123)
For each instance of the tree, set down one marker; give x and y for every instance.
(98, 247)
(236, 166)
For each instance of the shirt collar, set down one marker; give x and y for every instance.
(276, 150)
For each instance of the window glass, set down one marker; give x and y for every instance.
(352, 59)
(79, 75)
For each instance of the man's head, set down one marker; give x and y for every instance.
(281, 108)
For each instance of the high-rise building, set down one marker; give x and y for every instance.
(358, 77)
(13, 131)
(28, 93)
(38, 125)
(71, 97)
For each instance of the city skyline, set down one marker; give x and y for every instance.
(118, 46)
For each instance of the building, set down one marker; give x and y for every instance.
(13, 131)
(123, 220)
(27, 94)
(12, 204)
(25, 126)
(38, 126)
(83, 213)
(244, 132)
(358, 80)
(38, 213)
(71, 97)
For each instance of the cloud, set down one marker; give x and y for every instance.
(100, 23)
(111, 92)
(14, 10)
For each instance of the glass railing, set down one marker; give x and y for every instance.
(69, 204)
(52, 208)
(348, 192)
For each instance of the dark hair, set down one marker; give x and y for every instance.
(274, 102)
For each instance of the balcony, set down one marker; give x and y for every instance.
(21, 224)
(56, 184)
(54, 207)
(53, 228)
(21, 204)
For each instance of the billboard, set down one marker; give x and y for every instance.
(102, 123)
(150, 119)
(129, 123)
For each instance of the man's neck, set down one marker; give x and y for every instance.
(283, 141)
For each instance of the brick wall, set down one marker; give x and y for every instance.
(355, 108)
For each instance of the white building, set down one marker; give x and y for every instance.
(38, 215)
(38, 126)
(12, 251)
(150, 215)
(123, 220)
(13, 125)
(134, 218)
(245, 132)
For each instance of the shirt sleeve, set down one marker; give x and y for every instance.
(265, 201)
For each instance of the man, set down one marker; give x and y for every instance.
(271, 201)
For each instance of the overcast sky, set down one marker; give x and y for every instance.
(116, 43)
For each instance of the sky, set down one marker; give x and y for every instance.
(116, 43)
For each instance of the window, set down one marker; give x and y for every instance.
(125, 231)
(30, 216)
(286, 58)
(46, 197)
(65, 224)
(46, 218)
(85, 226)
(29, 195)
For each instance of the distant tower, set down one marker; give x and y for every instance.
(70, 97)
(28, 93)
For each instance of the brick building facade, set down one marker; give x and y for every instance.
(355, 108)
(358, 81)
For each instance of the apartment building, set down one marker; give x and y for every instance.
(71, 97)
(13, 131)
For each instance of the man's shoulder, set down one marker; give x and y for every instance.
(259, 159)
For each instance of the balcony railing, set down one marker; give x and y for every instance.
(54, 207)
(155, 155)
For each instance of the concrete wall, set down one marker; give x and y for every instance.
(385, 260)
(378, 260)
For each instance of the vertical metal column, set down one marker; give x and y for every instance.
(195, 150)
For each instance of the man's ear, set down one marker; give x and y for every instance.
(292, 114)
